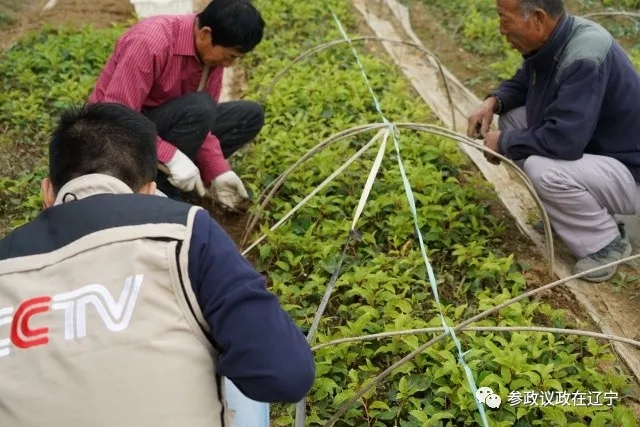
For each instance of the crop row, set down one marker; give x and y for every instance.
(382, 286)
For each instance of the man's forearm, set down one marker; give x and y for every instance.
(210, 159)
(166, 150)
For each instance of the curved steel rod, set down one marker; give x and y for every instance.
(433, 129)
(275, 185)
(538, 329)
(379, 378)
(333, 43)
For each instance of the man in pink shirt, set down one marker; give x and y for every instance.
(170, 69)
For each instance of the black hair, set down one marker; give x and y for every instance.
(105, 138)
(234, 23)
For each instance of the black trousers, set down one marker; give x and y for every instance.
(186, 121)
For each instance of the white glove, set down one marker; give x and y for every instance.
(228, 189)
(184, 174)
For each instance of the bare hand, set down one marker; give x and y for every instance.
(480, 120)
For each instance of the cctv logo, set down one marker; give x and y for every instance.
(486, 396)
(115, 315)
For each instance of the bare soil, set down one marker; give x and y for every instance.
(31, 16)
(234, 223)
(442, 43)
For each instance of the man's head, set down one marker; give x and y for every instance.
(102, 138)
(226, 30)
(527, 24)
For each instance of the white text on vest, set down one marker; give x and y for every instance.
(115, 315)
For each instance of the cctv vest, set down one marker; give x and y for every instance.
(99, 325)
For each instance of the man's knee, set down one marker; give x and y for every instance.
(200, 108)
(254, 115)
(252, 120)
(194, 119)
(513, 119)
(545, 175)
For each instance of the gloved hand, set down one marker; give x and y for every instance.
(184, 174)
(229, 190)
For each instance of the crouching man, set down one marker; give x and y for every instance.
(170, 68)
(570, 117)
(118, 307)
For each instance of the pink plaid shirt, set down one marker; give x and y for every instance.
(154, 62)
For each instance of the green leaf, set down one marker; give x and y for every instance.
(460, 310)
(593, 347)
(379, 405)
(411, 341)
(491, 380)
(533, 377)
(419, 382)
(283, 265)
(265, 251)
(343, 396)
(403, 386)
(628, 419)
(409, 423)
(520, 384)
(284, 420)
(505, 374)
(441, 416)
(555, 415)
(600, 420)
(420, 416)
(552, 384)
(403, 305)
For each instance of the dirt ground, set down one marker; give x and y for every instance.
(99, 13)
(233, 223)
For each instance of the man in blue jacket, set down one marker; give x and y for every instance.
(570, 117)
(118, 306)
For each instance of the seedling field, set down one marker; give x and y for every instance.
(359, 236)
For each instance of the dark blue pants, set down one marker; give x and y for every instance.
(186, 121)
